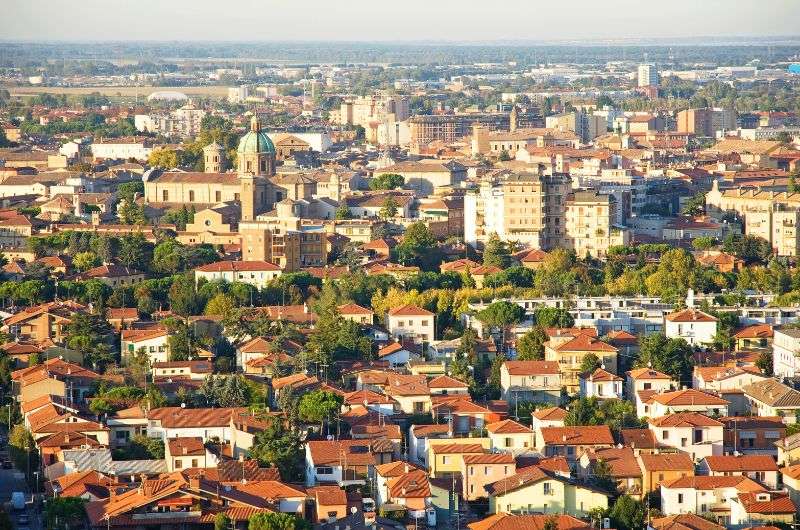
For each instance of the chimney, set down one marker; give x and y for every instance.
(185, 450)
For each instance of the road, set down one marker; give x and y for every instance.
(12, 480)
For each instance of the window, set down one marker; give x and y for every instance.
(471, 471)
(324, 470)
(165, 195)
(664, 435)
(661, 477)
(424, 322)
(509, 442)
(445, 460)
(472, 488)
(178, 463)
(194, 462)
(191, 196)
(698, 436)
(487, 470)
(548, 489)
(683, 442)
(680, 498)
(218, 196)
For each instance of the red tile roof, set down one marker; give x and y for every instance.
(578, 435)
(741, 463)
(688, 396)
(690, 315)
(685, 419)
(409, 310)
(239, 266)
(508, 427)
(532, 367)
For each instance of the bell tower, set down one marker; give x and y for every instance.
(213, 158)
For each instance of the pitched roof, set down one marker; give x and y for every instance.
(685, 419)
(351, 452)
(578, 435)
(667, 462)
(756, 331)
(773, 393)
(773, 503)
(508, 427)
(550, 414)
(456, 448)
(684, 521)
(690, 315)
(186, 446)
(585, 342)
(409, 310)
(353, 309)
(413, 484)
(239, 266)
(688, 396)
(726, 463)
(505, 521)
(445, 381)
(621, 460)
(647, 373)
(740, 482)
(601, 375)
(178, 417)
(532, 367)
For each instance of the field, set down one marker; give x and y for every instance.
(119, 91)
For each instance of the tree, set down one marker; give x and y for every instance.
(553, 317)
(222, 522)
(65, 512)
(22, 449)
(793, 187)
(496, 253)
(530, 347)
(319, 406)
(135, 251)
(276, 521)
(141, 447)
(279, 446)
(220, 305)
(91, 334)
(696, 205)
(387, 181)
(419, 247)
(671, 356)
(164, 158)
(764, 362)
(389, 209)
(181, 341)
(501, 314)
(628, 513)
(590, 363)
(343, 212)
(84, 261)
(601, 476)
(704, 242)
(138, 364)
(504, 156)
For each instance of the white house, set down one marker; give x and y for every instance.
(345, 462)
(786, 353)
(694, 326)
(396, 354)
(687, 400)
(689, 432)
(538, 381)
(761, 468)
(154, 341)
(601, 384)
(255, 273)
(772, 398)
(716, 378)
(411, 323)
(418, 436)
(179, 422)
(699, 495)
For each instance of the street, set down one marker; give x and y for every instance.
(12, 480)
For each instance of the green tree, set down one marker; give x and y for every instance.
(590, 363)
(181, 340)
(220, 305)
(276, 521)
(704, 242)
(696, 205)
(343, 212)
(530, 347)
(602, 477)
(671, 356)
(496, 253)
(164, 158)
(504, 156)
(389, 209)
(135, 251)
(501, 314)
(141, 447)
(319, 406)
(553, 317)
(386, 181)
(22, 449)
(222, 522)
(419, 247)
(279, 446)
(64, 512)
(85, 260)
(91, 334)
(764, 362)
(628, 513)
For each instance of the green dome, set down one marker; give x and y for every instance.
(255, 141)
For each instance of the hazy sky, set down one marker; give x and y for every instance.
(460, 20)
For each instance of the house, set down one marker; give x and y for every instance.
(178, 422)
(111, 275)
(690, 432)
(331, 503)
(412, 397)
(125, 424)
(716, 378)
(758, 508)
(772, 398)
(508, 435)
(683, 521)
(622, 464)
(88, 485)
(196, 370)
(506, 521)
(641, 440)
(403, 484)
(187, 452)
(256, 273)
(54, 377)
(396, 354)
(341, 461)
(648, 379)
(463, 415)
(446, 456)
(786, 352)
(572, 442)
(687, 400)
(757, 336)
(122, 318)
(532, 381)
(761, 468)
(568, 348)
(356, 313)
(752, 435)
(481, 470)
(418, 436)
(547, 417)
(43, 322)
(661, 467)
(705, 495)
(448, 386)
(534, 490)
(155, 342)
(694, 326)
(791, 481)
(601, 384)
(789, 450)
(411, 323)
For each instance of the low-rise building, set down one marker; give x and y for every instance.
(532, 381)
(694, 326)
(689, 432)
(761, 468)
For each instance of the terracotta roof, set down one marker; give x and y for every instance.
(122, 313)
(773, 503)
(550, 414)
(740, 482)
(720, 373)
(756, 331)
(578, 435)
(585, 343)
(532, 367)
(647, 373)
(138, 335)
(752, 422)
(445, 381)
(743, 463)
(199, 367)
(688, 396)
(638, 438)
(522, 478)
(505, 521)
(186, 446)
(773, 393)
(791, 471)
(329, 495)
(533, 256)
(601, 375)
(409, 310)
(413, 484)
(455, 448)
(178, 417)
(341, 452)
(353, 309)
(667, 462)
(239, 266)
(622, 461)
(684, 521)
(508, 427)
(422, 431)
(690, 315)
(570, 332)
(395, 469)
(489, 458)
(685, 419)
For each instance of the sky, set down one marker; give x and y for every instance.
(400, 20)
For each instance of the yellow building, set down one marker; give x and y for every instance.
(590, 224)
(446, 455)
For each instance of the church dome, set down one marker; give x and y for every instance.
(255, 141)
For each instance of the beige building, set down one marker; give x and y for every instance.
(590, 224)
(706, 122)
(569, 347)
(534, 209)
(481, 469)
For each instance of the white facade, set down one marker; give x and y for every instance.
(108, 150)
(647, 75)
(695, 333)
(601, 389)
(675, 501)
(786, 353)
(698, 442)
(257, 278)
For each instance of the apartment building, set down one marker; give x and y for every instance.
(590, 228)
(786, 353)
(706, 122)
